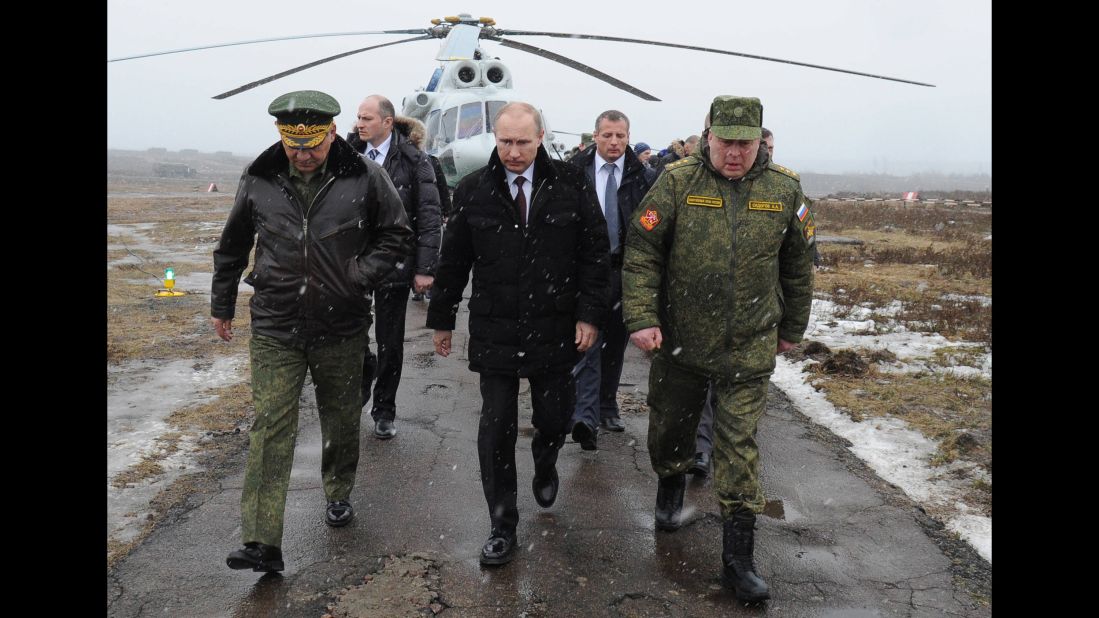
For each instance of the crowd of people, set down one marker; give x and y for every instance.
(700, 254)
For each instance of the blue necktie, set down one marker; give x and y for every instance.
(373, 154)
(610, 206)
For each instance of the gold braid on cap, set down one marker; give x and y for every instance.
(303, 135)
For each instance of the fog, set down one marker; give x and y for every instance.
(823, 121)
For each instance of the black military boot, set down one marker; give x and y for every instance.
(739, 569)
(669, 502)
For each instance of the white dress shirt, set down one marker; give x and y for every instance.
(383, 149)
(527, 186)
(601, 178)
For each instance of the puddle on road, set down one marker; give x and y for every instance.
(140, 397)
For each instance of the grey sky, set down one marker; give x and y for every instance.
(823, 121)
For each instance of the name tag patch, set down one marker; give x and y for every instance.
(768, 206)
(701, 200)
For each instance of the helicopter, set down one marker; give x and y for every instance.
(463, 94)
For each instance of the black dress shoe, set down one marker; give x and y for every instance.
(585, 436)
(545, 488)
(384, 429)
(498, 549)
(701, 466)
(669, 502)
(339, 513)
(256, 556)
(614, 424)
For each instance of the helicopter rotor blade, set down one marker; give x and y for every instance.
(579, 66)
(281, 38)
(303, 67)
(616, 39)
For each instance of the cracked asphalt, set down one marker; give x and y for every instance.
(844, 544)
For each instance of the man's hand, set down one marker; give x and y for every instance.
(648, 339)
(442, 342)
(422, 283)
(586, 335)
(224, 328)
(784, 345)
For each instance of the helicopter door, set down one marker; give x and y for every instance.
(434, 140)
(450, 118)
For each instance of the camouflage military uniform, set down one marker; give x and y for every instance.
(724, 268)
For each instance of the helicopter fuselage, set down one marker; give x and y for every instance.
(458, 111)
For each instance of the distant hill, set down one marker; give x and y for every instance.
(881, 185)
(222, 167)
(225, 167)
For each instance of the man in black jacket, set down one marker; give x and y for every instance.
(540, 278)
(327, 228)
(620, 181)
(385, 139)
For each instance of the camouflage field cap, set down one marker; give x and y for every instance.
(304, 117)
(586, 138)
(736, 117)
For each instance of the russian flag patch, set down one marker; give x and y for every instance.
(803, 212)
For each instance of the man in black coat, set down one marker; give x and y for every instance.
(540, 279)
(620, 181)
(387, 140)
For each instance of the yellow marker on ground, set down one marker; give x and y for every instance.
(169, 283)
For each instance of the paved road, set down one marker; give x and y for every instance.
(840, 542)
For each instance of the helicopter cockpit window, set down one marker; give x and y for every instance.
(450, 117)
(492, 108)
(434, 140)
(471, 122)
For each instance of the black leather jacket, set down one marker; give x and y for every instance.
(315, 264)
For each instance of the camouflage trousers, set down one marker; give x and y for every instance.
(676, 398)
(278, 374)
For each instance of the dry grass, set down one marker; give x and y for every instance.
(924, 310)
(911, 255)
(920, 256)
(230, 409)
(966, 258)
(955, 412)
(937, 222)
(140, 325)
(169, 209)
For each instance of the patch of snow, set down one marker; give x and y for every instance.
(912, 349)
(986, 301)
(895, 452)
(140, 397)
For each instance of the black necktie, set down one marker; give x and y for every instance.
(521, 200)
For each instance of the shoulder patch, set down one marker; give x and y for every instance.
(783, 170)
(650, 219)
(680, 163)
